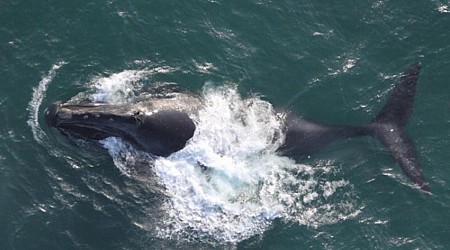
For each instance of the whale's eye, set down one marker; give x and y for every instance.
(137, 116)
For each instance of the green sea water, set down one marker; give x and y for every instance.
(332, 61)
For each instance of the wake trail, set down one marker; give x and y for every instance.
(39, 93)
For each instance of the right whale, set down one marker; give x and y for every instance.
(304, 137)
(162, 124)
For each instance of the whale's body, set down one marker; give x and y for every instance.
(162, 124)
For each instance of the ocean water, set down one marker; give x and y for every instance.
(332, 61)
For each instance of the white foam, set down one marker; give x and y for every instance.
(36, 100)
(204, 67)
(246, 184)
(443, 9)
(121, 87)
(123, 154)
(118, 87)
(349, 63)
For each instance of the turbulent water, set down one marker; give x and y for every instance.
(228, 188)
(246, 185)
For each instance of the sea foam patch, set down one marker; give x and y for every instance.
(119, 87)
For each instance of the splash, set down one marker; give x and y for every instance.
(36, 101)
(119, 87)
(443, 9)
(229, 184)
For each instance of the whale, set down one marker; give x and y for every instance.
(162, 124)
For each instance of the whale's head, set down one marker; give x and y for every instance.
(159, 129)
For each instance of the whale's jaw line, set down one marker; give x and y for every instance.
(161, 133)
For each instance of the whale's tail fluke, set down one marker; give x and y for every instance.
(304, 137)
(388, 126)
(399, 105)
